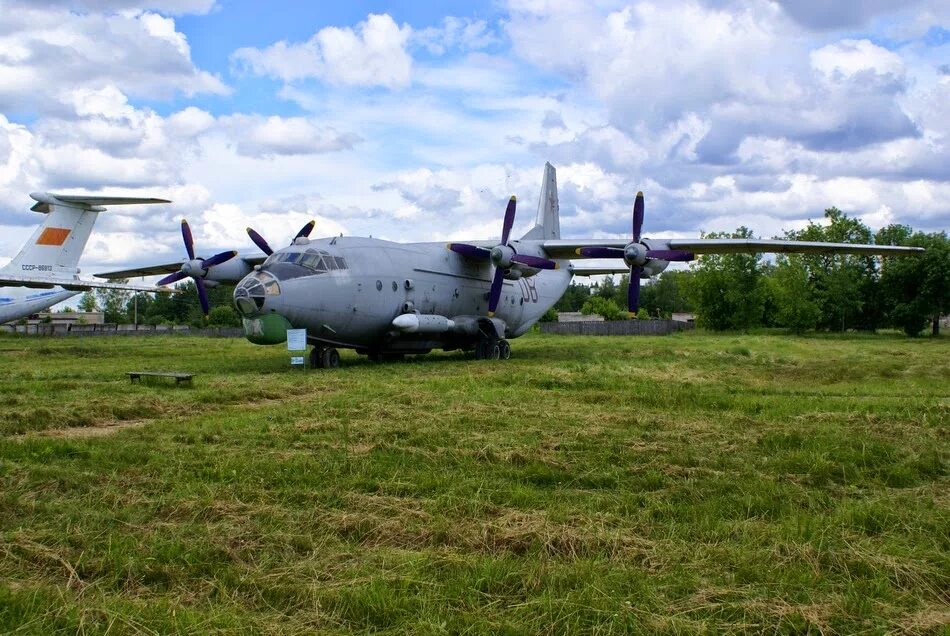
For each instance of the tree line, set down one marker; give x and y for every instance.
(182, 308)
(799, 292)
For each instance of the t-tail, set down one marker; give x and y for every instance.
(548, 224)
(57, 244)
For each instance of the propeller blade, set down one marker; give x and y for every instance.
(305, 230)
(509, 220)
(217, 259)
(671, 255)
(470, 251)
(259, 242)
(203, 296)
(189, 240)
(633, 293)
(637, 217)
(494, 295)
(534, 261)
(600, 252)
(172, 278)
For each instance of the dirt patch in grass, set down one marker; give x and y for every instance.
(98, 429)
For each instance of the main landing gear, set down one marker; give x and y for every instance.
(491, 349)
(324, 358)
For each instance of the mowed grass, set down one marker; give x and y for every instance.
(693, 483)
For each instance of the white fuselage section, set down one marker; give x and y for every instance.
(21, 302)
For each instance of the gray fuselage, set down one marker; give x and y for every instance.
(347, 291)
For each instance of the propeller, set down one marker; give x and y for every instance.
(196, 268)
(260, 242)
(636, 255)
(502, 256)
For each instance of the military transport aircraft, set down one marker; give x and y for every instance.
(387, 299)
(48, 260)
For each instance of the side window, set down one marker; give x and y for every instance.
(340, 263)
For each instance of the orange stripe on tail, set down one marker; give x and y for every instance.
(53, 236)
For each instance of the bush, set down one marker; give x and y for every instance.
(224, 316)
(609, 309)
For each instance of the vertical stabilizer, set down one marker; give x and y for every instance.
(548, 224)
(57, 245)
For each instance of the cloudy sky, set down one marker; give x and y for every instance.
(411, 122)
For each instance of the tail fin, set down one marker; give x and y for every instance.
(57, 244)
(548, 223)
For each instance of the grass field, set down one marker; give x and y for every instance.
(693, 483)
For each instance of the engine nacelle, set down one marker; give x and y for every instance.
(232, 271)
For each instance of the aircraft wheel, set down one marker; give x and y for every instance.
(316, 357)
(331, 358)
(480, 350)
(505, 349)
(493, 350)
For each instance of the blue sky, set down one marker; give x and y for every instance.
(416, 121)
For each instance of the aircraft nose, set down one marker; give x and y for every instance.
(252, 292)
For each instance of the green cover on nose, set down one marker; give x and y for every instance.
(267, 329)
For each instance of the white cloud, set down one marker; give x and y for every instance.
(176, 7)
(258, 136)
(723, 113)
(462, 34)
(850, 57)
(373, 54)
(45, 53)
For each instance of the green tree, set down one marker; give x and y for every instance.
(844, 286)
(608, 308)
(794, 305)
(574, 297)
(607, 289)
(87, 302)
(916, 289)
(666, 294)
(113, 302)
(728, 291)
(136, 309)
(223, 316)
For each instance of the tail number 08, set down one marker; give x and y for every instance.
(529, 292)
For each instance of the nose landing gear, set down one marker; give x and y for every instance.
(324, 358)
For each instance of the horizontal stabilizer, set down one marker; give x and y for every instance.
(74, 284)
(46, 199)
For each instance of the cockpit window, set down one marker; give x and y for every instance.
(318, 261)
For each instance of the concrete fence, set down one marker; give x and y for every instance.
(615, 328)
(111, 329)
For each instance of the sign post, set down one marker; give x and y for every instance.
(297, 345)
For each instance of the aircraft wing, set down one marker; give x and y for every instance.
(751, 246)
(567, 248)
(171, 268)
(147, 270)
(74, 284)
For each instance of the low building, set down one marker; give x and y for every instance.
(576, 316)
(68, 318)
(684, 317)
